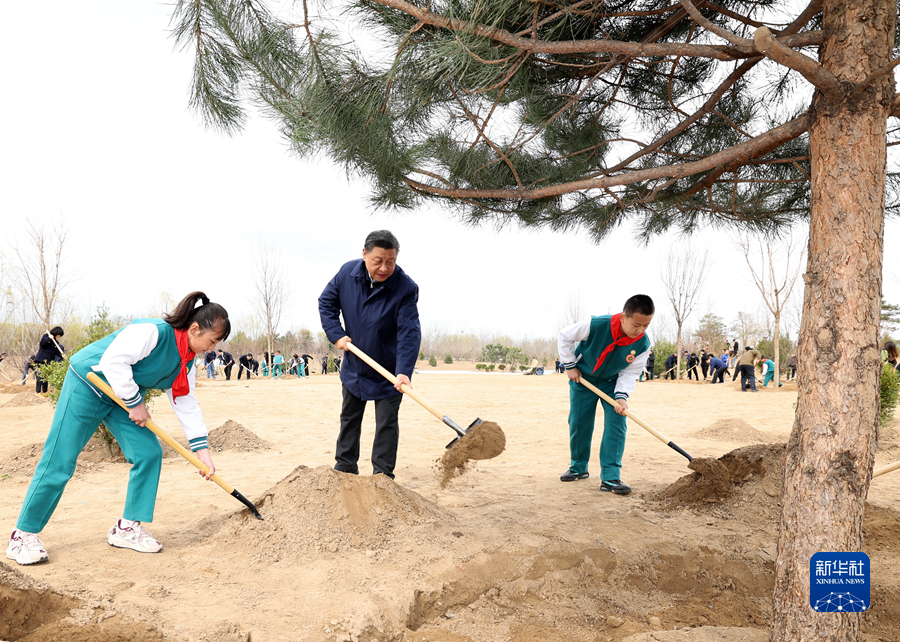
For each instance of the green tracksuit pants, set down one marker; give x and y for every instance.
(78, 413)
(582, 412)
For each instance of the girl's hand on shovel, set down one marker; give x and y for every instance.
(204, 456)
(139, 415)
(621, 406)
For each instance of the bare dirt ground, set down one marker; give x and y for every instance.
(503, 552)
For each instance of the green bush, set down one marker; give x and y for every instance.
(432, 362)
(523, 368)
(501, 367)
(490, 367)
(421, 356)
(448, 359)
(890, 385)
(480, 366)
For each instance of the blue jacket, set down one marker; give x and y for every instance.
(383, 323)
(715, 363)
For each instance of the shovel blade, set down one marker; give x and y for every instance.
(471, 425)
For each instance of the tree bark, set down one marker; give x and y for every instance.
(832, 446)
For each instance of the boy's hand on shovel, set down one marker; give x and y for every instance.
(204, 456)
(574, 374)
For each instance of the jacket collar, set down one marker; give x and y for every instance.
(360, 273)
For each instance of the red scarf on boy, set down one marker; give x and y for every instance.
(181, 387)
(619, 338)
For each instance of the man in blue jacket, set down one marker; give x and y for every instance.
(378, 302)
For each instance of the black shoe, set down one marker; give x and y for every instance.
(615, 486)
(571, 475)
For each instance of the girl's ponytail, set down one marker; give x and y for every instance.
(209, 316)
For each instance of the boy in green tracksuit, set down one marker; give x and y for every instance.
(768, 370)
(610, 352)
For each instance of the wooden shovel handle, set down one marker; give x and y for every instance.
(587, 384)
(159, 432)
(886, 469)
(387, 375)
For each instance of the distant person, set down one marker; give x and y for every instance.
(277, 363)
(692, 363)
(649, 366)
(734, 348)
(27, 364)
(50, 350)
(718, 368)
(559, 367)
(892, 355)
(325, 364)
(244, 366)
(209, 360)
(304, 369)
(378, 303)
(704, 363)
(725, 359)
(768, 371)
(266, 364)
(747, 365)
(227, 363)
(671, 363)
(792, 366)
(610, 352)
(145, 354)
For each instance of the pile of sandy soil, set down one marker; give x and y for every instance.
(731, 429)
(25, 398)
(484, 441)
(98, 451)
(22, 461)
(31, 611)
(321, 509)
(233, 436)
(10, 388)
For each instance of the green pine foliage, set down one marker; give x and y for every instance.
(448, 359)
(432, 361)
(890, 387)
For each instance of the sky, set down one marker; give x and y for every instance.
(96, 131)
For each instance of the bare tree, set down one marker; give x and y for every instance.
(573, 309)
(683, 279)
(40, 275)
(272, 290)
(774, 284)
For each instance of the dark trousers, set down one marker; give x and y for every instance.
(243, 370)
(705, 368)
(693, 370)
(748, 373)
(718, 375)
(228, 372)
(39, 384)
(387, 434)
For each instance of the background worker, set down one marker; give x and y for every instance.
(692, 363)
(244, 366)
(671, 362)
(747, 364)
(379, 305)
(49, 350)
(768, 371)
(227, 363)
(610, 352)
(277, 363)
(27, 364)
(704, 363)
(718, 369)
(209, 360)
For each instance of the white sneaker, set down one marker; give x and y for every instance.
(135, 537)
(26, 548)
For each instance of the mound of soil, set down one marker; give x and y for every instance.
(10, 388)
(752, 485)
(233, 436)
(731, 429)
(484, 441)
(25, 398)
(98, 451)
(30, 611)
(22, 462)
(321, 509)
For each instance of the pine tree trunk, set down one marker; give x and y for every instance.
(832, 445)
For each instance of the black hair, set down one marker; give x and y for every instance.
(57, 332)
(639, 303)
(891, 350)
(209, 316)
(748, 347)
(383, 239)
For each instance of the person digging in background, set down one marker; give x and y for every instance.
(669, 365)
(145, 354)
(747, 365)
(768, 371)
(610, 352)
(718, 368)
(50, 350)
(227, 363)
(379, 305)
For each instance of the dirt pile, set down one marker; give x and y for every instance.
(25, 398)
(752, 485)
(321, 509)
(30, 611)
(233, 436)
(731, 429)
(484, 441)
(10, 388)
(22, 462)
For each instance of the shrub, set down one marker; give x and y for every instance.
(523, 368)
(480, 366)
(890, 385)
(432, 362)
(421, 356)
(501, 367)
(490, 367)
(448, 359)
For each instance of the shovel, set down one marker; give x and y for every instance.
(628, 413)
(181, 450)
(427, 406)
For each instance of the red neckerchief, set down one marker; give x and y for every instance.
(619, 339)
(181, 387)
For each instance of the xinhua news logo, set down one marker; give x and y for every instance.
(839, 582)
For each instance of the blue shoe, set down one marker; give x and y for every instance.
(571, 475)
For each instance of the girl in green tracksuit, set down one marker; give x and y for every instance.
(145, 354)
